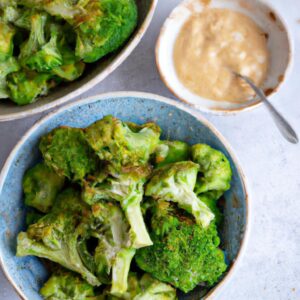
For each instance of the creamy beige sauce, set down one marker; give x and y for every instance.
(213, 43)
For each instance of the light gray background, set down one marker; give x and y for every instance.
(271, 265)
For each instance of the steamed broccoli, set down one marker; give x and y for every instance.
(56, 38)
(127, 189)
(38, 53)
(7, 33)
(175, 182)
(9, 66)
(123, 144)
(71, 68)
(101, 26)
(55, 237)
(25, 86)
(155, 290)
(128, 195)
(66, 286)
(215, 168)
(170, 152)
(41, 186)
(104, 27)
(114, 251)
(65, 150)
(183, 254)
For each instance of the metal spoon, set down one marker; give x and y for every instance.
(282, 124)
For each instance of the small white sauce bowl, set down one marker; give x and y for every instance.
(279, 45)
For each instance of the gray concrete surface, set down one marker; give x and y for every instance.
(271, 265)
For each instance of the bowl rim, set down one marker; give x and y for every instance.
(153, 97)
(123, 54)
(254, 104)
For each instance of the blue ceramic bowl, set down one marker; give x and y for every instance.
(27, 274)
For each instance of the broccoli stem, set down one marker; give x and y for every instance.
(140, 235)
(191, 203)
(120, 271)
(27, 246)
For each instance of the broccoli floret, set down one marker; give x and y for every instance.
(121, 143)
(7, 33)
(66, 151)
(104, 27)
(214, 167)
(71, 67)
(65, 285)
(114, 251)
(101, 26)
(127, 189)
(175, 182)
(170, 152)
(25, 86)
(41, 186)
(38, 54)
(9, 66)
(55, 237)
(184, 254)
(155, 290)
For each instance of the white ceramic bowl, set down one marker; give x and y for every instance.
(94, 73)
(279, 45)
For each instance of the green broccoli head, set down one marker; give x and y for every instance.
(41, 186)
(123, 144)
(184, 254)
(66, 151)
(175, 182)
(56, 237)
(104, 27)
(25, 86)
(7, 33)
(171, 151)
(127, 189)
(65, 285)
(214, 167)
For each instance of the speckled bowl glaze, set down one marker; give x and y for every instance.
(279, 44)
(93, 74)
(27, 274)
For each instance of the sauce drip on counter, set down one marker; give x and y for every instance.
(214, 43)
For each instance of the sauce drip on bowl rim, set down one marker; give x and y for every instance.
(211, 45)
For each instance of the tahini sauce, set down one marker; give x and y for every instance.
(213, 43)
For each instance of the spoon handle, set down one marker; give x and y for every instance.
(282, 124)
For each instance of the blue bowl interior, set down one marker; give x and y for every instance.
(29, 273)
